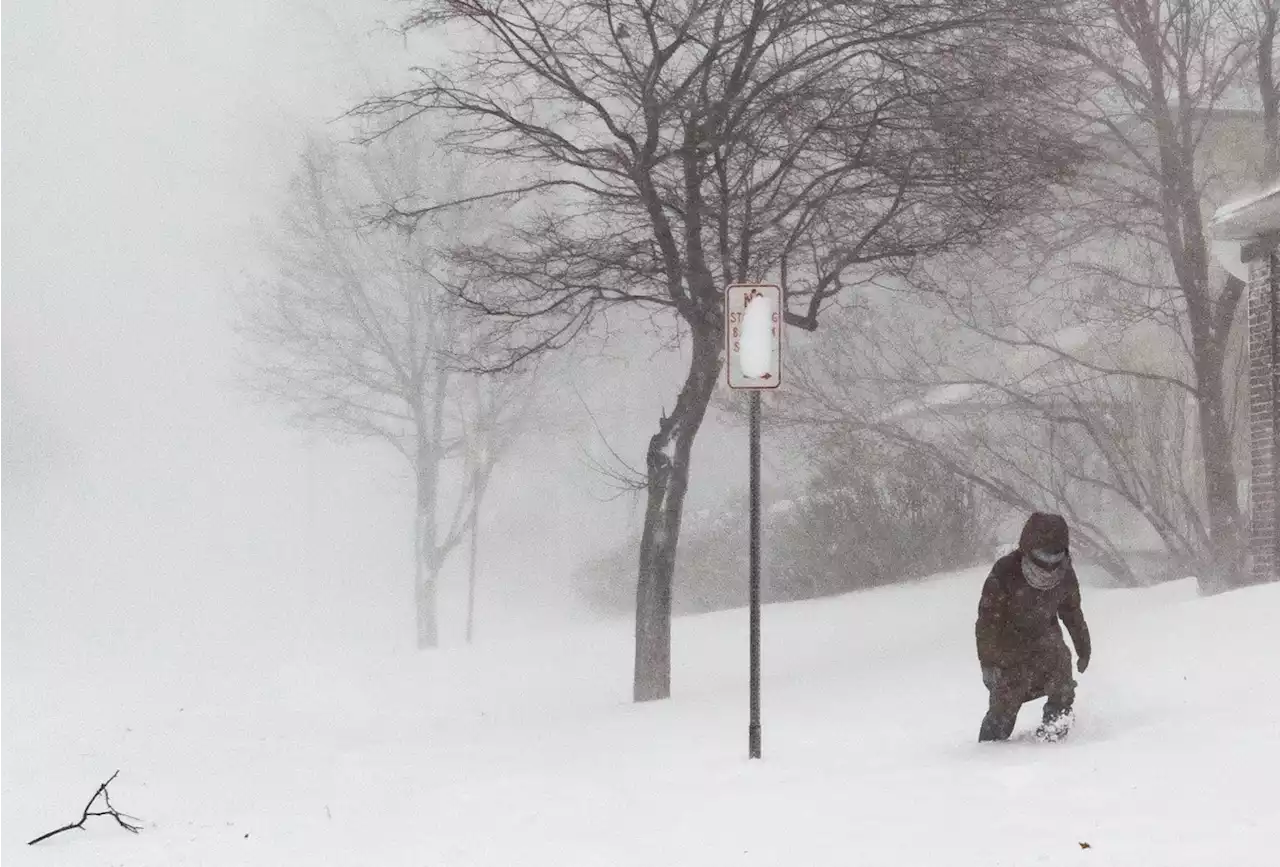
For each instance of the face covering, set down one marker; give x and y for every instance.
(1048, 572)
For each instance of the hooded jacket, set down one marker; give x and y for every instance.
(1017, 622)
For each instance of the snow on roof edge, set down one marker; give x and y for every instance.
(1231, 209)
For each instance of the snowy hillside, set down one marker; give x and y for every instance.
(533, 755)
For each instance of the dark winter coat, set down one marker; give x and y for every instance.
(1017, 624)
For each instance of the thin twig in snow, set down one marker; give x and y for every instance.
(88, 811)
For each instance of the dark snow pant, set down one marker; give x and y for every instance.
(1045, 672)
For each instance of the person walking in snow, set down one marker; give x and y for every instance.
(1020, 645)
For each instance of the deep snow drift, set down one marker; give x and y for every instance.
(531, 754)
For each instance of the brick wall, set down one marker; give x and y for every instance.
(1264, 414)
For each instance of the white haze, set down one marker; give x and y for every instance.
(149, 509)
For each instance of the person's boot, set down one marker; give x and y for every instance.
(1056, 724)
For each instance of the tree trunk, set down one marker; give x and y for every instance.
(425, 568)
(1188, 246)
(471, 571)
(1221, 497)
(1226, 566)
(668, 477)
(1267, 88)
(427, 555)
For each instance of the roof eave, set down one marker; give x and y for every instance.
(1250, 218)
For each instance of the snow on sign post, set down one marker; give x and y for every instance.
(753, 329)
(754, 332)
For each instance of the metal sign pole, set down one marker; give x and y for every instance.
(753, 732)
(753, 333)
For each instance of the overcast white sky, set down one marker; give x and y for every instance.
(144, 501)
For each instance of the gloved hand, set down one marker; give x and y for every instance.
(1083, 661)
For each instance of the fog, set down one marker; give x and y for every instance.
(149, 507)
(213, 612)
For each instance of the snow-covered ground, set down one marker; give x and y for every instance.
(531, 754)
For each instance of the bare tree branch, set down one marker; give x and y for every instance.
(90, 812)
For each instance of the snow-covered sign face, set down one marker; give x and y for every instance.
(757, 339)
(753, 329)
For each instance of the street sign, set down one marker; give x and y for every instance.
(753, 331)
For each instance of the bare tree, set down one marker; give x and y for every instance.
(674, 147)
(1167, 71)
(1256, 21)
(354, 333)
(1121, 259)
(1267, 17)
(1078, 418)
(496, 411)
(1122, 255)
